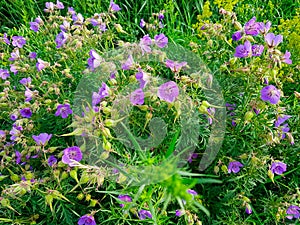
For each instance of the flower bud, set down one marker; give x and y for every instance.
(88, 197)
(104, 155)
(93, 203)
(64, 175)
(80, 196)
(237, 25)
(106, 145)
(249, 115)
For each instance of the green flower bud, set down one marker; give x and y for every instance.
(88, 197)
(93, 203)
(80, 196)
(248, 116)
(64, 175)
(14, 177)
(106, 145)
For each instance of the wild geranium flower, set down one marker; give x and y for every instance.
(264, 28)
(137, 97)
(28, 94)
(78, 19)
(26, 81)
(49, 7)
(63, 110)
(18, 157)
(128, 63)
(192, 192)
(18, 41)
(124, 198)
(32, 55)
(161, 16)
(14, 68)
(271, 94)
(168, 91)
(15, 55)
(52, 160)
(4, 74)
(273, 40)
(244, 50)
(13, 117)
(281, 119)
(5, 39)
(65, 26)
(237, 36)
(42, 139)
(113, 7)
(179, 212)
(252, 27)
(293, 212)
(142, 23)
(234, 167)
(257, 50)
(71, 153)
(191, 157)
(41, 64)
(145, 43)
(2, 134)
(175, 66)
(26, 112)
(87, 220)
(59, 5)
(102, 93)
(95, 60)
(143, 214)
(34, 26)
(61, 39)
(248, 209)
(160, 40)
(278, 167)
(286, 58)
(142, 77)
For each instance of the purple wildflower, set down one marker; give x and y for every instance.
(160, 40)
(13, 117)
(293, 212)
(78, 19)
(49, 7)
(252, 27)
(63, 110)
(28, 94)
(142, 23)
(248, 209)
(286, 58)
(4, 74)
(14, 69)
(278, 167)
(87, 220)
(160, 25)
(257, 50)
(71, 10)
(26, 81)
(124, 198)
(59, 5)
(273, 40)
(61, 39)
(113, 7)
(32, 55)
(143, 214)
(281, 119)
(142, 77)
(2, 134)
(34, 26)
(237, 36)
(52, 160)
(5, 39)
(15, 55)
(95, 60)
(271, 94)
(26, 112)
(244, 50)
(71, 153)
(191, 157)
(137, 97)
(18, 41)
(161, 16)
(192, 192)
(234, 167)
(42, 139)
(41, 64)
(179, 212)
(39, 20)
(145, 43)
(18, 157)
(65, 26)
(128, 63)
(175, 66)
(103, 92)
(264, 28)
(168, 91)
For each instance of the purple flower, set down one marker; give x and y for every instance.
(103, 92)
(5, 39)
(87, 220)
(191, 157)
(137, 97)
(142, 77)
(234, 167)
(78, 19)
(179, 212)
(26, 81)
(160, 40)
(41, 64)
(15, 55)
(18, 157)
(114, 7)
(14, 132)
(257, 50)
(4, 74)
(145, 43)
(42, 139)
(192, 192)
(142, 23)
(28, 94)
(61, 39)
(63, 110)
(49, 7)
(65, 26)
(71, 153)
(161, 16)
(39, 20)
(264, 28)
(293, 212)
(286, 58)
(175, 66)
(52, 160)
(237, 36)
(271, 94)
(59, 5)
(273, 40)
(2, 134)
(32, 55)
(168, 91)
(252, 27)
(26, 112)
(34, 26)
(71, 10)
(244, 50)
(278, 167)
(18, 41)
(14, 69)
(95, 60)
(281, 119)
(248, 209)
(124, 198)
(128, 63)
(13, 117)
(143, 214)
